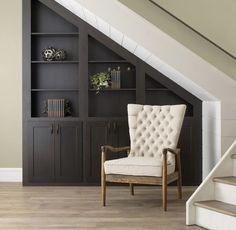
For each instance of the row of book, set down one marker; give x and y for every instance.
(56, 107)
(115, 78)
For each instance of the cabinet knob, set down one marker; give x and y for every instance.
(51, 130)
(115, 126)
(109, 127)
(58, 129)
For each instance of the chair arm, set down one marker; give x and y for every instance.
(104, 148)
(173, 151)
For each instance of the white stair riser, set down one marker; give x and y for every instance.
(225, 193)
(214, 220)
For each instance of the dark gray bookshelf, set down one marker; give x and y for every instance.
(66, 150)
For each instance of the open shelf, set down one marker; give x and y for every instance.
(54, 62)
(53, 79)
(109, 89)
(38, 98)
(55, 34)
(157, 89)
(107, 61)
(110, 103)
(54, 90)
(44, 19)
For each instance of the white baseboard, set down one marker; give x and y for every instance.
(10, 174)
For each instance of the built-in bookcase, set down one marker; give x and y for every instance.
(67, 150)
(53, 79)
(110, 102)
(158, 94)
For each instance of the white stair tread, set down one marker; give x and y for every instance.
(226, 180)
(233, 156)
(217, 206)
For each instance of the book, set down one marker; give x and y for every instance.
(56, 107)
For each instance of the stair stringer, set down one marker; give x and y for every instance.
(206, 191)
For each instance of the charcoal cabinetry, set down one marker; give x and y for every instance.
(55, 152)
(67, 150)
(100, 133)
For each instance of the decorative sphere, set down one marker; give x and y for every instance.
(48, 54)
(60, 55)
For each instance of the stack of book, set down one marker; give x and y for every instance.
(56, 107)
(115, 78)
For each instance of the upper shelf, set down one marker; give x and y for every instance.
(110, 89)
(54, 62)
(55, 34)
(107, 61)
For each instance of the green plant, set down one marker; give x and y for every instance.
(100, 80)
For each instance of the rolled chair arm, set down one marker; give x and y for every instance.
(104, 148)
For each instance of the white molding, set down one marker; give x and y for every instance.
(10, 174)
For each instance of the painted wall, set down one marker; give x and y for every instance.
(186, 36)
(10, 84)
(213, 18)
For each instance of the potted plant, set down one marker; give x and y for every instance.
(100, 80)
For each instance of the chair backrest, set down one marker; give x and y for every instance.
(153, 128)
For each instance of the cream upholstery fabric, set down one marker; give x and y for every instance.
(151, 129)
(137, 166)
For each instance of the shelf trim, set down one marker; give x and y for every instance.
(54, 34)
(157, 89)
(107, 61)
(54, 62)
(54, 90)
(108, 90)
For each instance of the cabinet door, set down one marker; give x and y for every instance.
(100, 133)
(68, 151)
(120, 135)
(41, 152)
(97, 134)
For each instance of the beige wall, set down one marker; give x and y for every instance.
(186, 36)
(10, 84)
(213, 18)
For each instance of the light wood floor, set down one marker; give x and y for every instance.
(80, 208)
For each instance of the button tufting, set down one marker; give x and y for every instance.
(153, 129)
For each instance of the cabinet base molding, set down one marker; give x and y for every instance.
(10, 174)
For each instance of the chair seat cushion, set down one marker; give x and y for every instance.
(137, 166)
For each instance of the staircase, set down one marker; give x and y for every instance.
(213, 205)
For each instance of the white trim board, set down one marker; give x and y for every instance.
(10, 174)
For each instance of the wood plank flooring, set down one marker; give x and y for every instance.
(80, 208)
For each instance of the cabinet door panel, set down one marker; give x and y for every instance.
(190, 154)
(97, 134)
(68, 152)
(41, 152)
(121, 136)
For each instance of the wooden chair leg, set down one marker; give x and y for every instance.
(179, 185)
(103, 180)
(164, 184)
(131, 189)
(179, 181)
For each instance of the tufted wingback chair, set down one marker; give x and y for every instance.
(152, 155)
